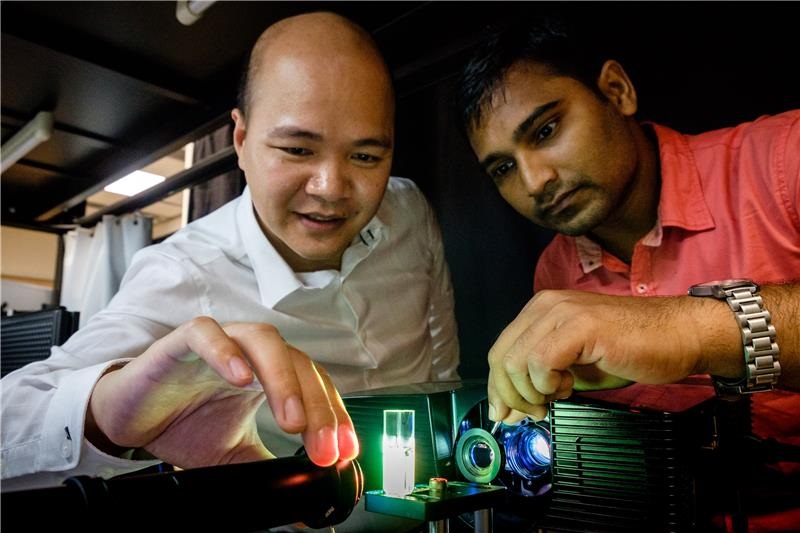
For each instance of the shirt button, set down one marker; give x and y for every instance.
(66, 449)
(641, 288)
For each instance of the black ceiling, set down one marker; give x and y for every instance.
(127, 83)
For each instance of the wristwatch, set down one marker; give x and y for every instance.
(758, 335)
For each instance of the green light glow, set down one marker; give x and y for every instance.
(398, 451)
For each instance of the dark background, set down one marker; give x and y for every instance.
(696, 67)
(128, 84)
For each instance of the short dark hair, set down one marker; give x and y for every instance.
(249, 72)
(554, 42)
(243, 89)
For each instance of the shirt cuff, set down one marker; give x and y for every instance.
(96, 463)
(64, 448)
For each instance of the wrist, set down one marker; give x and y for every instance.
(760, 367)
(99, 440)
(92, 430)
(719, 343)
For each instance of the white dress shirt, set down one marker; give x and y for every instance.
(385, 319)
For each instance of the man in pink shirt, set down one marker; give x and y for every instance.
(640, 210)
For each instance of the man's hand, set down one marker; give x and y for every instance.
(191, 399)
(570, 340)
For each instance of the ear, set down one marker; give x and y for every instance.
(617, 87)
(239, 133)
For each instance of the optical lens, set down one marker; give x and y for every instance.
(478, 456)
(527, 448)
(481, 454)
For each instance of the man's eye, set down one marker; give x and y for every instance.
(366, 158)
(546, 131)
(295, 150)
(501, 170)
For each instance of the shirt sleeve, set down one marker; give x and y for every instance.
(788, 165)
(44, 403)
(442, 321)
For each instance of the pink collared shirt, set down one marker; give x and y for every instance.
(729, 208)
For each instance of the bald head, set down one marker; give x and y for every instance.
(316, 138)
(320, 41)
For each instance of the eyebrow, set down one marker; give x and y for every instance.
(380, 142)
(520, 131)
(291, 132)
(526, 124)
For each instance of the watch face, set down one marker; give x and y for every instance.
(717, 288)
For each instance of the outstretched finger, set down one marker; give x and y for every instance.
(320, 436)
(202, 338)
(347, 447)
(273, 361)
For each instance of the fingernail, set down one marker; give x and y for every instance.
(348, 442)
(492, 413)
(293, 412)
(326, 446)
(239, 368)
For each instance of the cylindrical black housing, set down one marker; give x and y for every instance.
(241, 497)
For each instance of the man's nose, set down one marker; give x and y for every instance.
(535, 174)
(330, 182)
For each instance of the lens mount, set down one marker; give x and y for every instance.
(478, 456)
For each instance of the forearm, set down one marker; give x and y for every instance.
(723, 355)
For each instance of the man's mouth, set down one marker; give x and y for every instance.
(322, 221)
(319, 217)
(559, 203)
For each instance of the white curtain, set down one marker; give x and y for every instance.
(96, 259)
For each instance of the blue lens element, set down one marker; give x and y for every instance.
(527, 449)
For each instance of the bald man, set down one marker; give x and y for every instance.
(326, 276)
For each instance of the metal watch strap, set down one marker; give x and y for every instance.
(758, 339)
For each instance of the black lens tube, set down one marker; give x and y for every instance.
(243, 497)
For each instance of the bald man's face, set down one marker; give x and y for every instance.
(316, 150)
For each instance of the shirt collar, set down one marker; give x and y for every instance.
(368, 238)
(274, 276)
(591, 255)
(681, 203)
